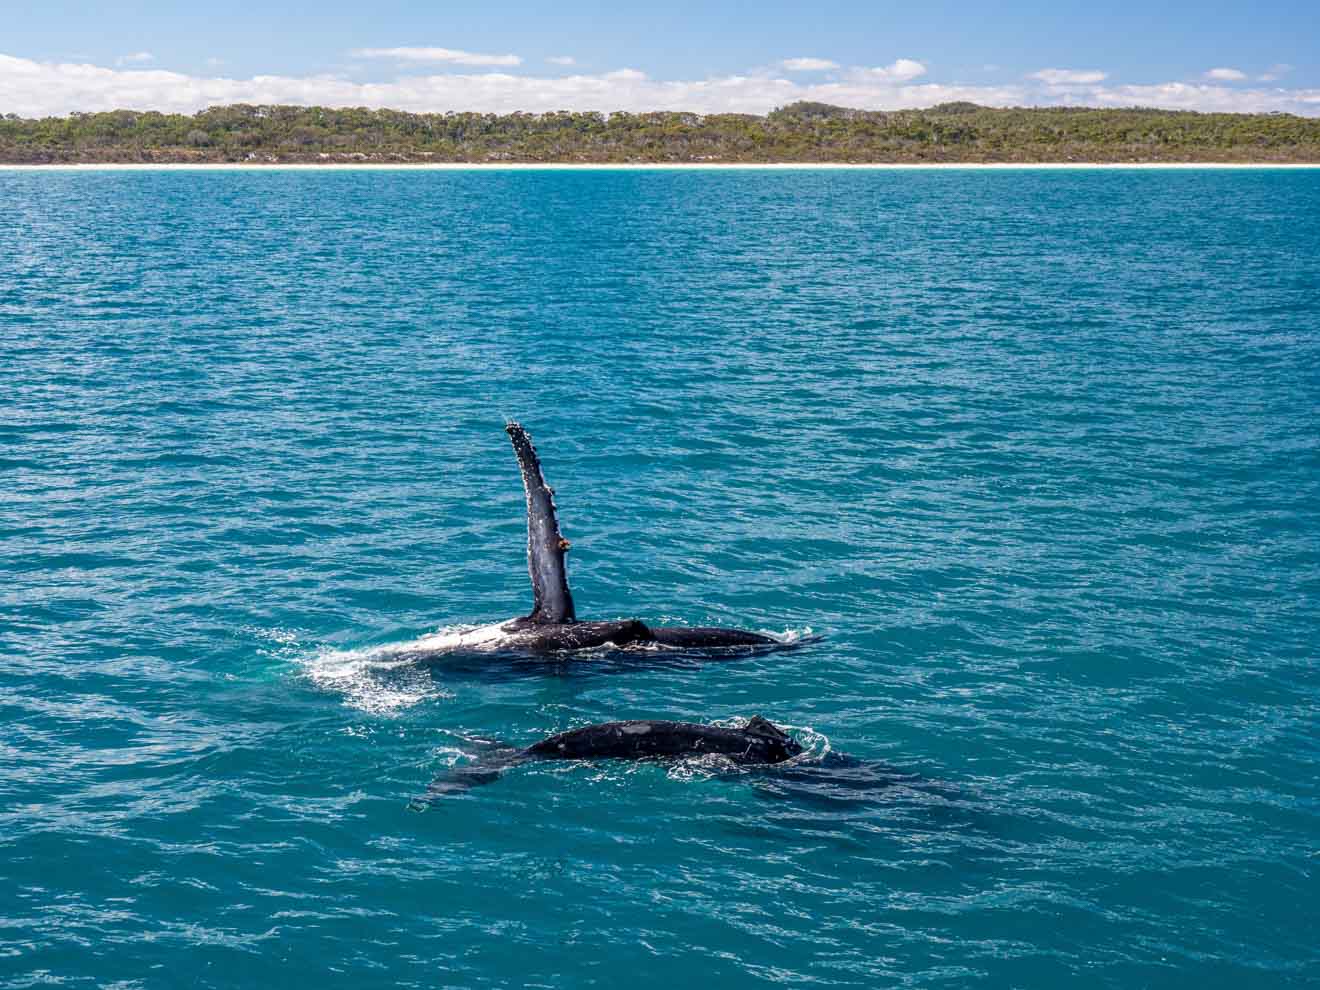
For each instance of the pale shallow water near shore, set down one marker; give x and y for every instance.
(1033, 451)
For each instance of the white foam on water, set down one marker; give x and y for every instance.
(815, 747)
(447, 757)
(279, 642)
(386, 679)
(369, 682)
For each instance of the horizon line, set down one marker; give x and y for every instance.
(640, 166)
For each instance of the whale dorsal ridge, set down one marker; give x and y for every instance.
(759, 726)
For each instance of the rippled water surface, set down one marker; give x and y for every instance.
(1036, 454)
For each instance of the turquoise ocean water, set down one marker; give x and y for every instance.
(1036, 454)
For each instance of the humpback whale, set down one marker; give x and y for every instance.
(553, 625)
(760, 741)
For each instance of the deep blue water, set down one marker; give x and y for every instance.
(1035, 452)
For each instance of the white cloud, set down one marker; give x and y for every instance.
(1275, 72)
(1226, 75)
(32, 88)
(562, 60)
(453, 55)
(1069, 77)
(137, 58)
(1209, 98)
(808, 64)
(901, 71)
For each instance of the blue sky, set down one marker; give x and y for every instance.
(59, 56)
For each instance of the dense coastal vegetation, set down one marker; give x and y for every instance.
(801, 132)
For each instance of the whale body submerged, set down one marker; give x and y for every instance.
(760, 741)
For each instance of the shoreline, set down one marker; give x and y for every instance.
(634, 166)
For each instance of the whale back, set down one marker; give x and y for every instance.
(777, 743)
(758, 726)
(760, 741)
(552, 602)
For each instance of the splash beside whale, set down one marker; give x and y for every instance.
(553, 626)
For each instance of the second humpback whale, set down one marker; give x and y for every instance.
(553, 625)
(759, 742)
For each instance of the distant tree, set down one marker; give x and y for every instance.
(809, 108)
(957, 106)
(805, 131)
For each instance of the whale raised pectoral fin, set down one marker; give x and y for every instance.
(552, 602)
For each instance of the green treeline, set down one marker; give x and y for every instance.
(802, 132)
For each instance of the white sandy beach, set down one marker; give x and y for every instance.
(638, 166)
